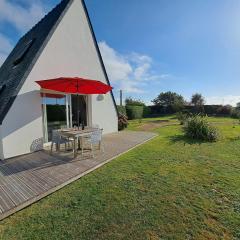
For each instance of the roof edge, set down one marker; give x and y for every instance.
(98, 52)
(30, 67)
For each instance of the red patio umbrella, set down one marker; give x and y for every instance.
(75, 85)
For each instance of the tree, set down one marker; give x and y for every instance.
(238, 106)
(225, 110)
(198, 101)
(170, 100)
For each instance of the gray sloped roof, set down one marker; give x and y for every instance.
(19, 63)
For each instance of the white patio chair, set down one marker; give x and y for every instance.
(95, 139)
(57, 139)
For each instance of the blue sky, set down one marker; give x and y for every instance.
(151, 46)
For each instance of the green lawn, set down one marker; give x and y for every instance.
(168, 188)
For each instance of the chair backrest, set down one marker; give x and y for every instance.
(95, 126)
(55, 136)
(96, 136)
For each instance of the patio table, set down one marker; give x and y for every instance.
(76, 134)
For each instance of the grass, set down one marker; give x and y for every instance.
(168, 188)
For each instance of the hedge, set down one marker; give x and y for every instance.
(208, 109)
(134, 112)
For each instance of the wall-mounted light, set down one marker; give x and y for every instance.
(100, 97)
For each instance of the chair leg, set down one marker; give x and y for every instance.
(102, 147)
(81, 147)
(92, 151)
(74, 148)
(51, 148)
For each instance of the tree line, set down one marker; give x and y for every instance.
(177, 102)
(172, 102)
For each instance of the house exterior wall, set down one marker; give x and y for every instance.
(70, 52)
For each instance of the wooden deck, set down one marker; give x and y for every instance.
(26, 179)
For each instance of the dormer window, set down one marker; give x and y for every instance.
(23, 53)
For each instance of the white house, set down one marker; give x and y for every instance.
(62, 44)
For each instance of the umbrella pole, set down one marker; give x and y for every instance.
(78, 107)
(78, 111)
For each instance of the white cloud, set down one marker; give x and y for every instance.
(20, 17)
(224, 100)
(117, 66)
(129, 72)
(5, 48)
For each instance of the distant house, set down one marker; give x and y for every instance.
(62, 44)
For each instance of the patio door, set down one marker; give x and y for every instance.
(61, 111)
(55, 114)
(79, 104)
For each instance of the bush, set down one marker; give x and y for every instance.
(146, 111)
(183, 116)
(122, 110)
(224, 110)
(198, 128)
(134, 102)
(134, 112)
(235, 113)
(122, 121)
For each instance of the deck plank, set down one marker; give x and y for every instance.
(26, 179)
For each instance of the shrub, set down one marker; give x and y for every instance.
(122, 110)
(135, 102)
(198, 128)
(122, 121)
(146, 111)
(183, 116)
(224, 110)
(134, 112)
(235, 113)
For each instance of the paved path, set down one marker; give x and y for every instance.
(26, 179)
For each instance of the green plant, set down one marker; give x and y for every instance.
(122, 110)
(198, 101)
(170, 100)
(225, 110)
(146, 111)
(235, 113)
(134, 102)
(183, 116)
(198, 128)
(122, 121)
(134, 112)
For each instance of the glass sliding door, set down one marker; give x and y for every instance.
(79, 110)
(55, 114)
(61, 111)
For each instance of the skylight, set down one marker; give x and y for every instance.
(23, 52)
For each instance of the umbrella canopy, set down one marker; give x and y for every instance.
(75, 85)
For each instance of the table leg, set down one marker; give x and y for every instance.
(81, 139)
(74, 148)
(79, 145)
